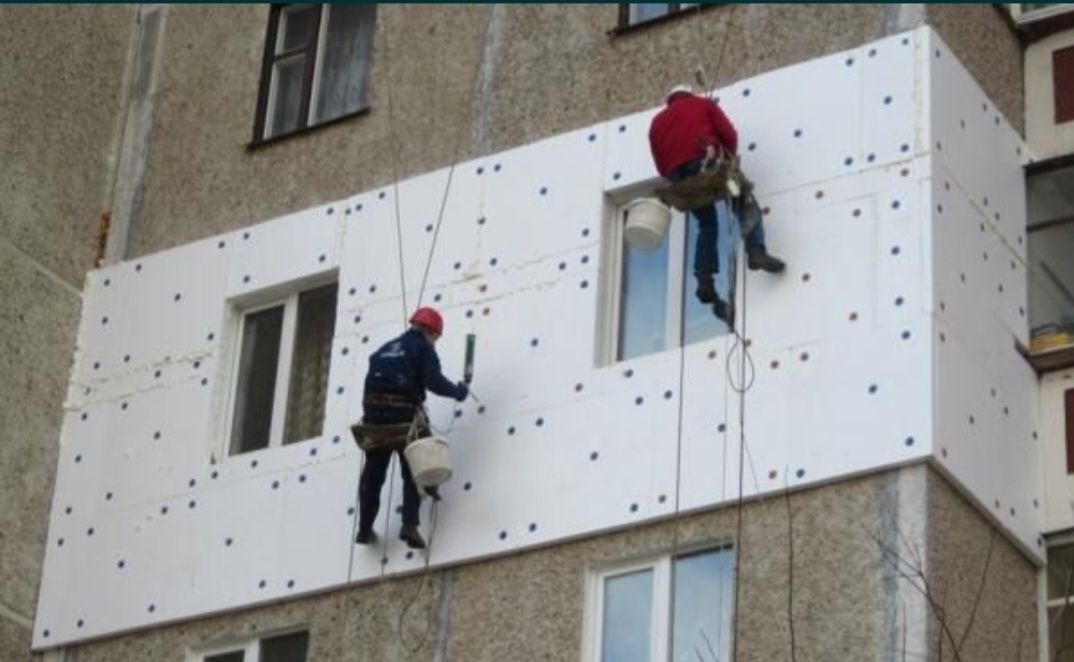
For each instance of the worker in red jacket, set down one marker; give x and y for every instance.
(682, 136)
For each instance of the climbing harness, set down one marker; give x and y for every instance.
(720, 178)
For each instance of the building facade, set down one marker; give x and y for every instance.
(889, 486)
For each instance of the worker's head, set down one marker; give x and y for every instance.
(681, 88)
(428, 320)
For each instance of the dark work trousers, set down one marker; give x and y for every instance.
(705, 254)
(376, 470)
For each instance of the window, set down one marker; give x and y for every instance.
(673, 609)
(1027, 12)
(650, 304)
(282, 370)
(1038, 20)
(290, 647)
(1060, 599)
(644, 12)
(1050, 200)
(1063, 83)
(316, 66)
(1068, 420)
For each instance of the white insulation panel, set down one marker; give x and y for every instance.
(986, 394)
(848, 372)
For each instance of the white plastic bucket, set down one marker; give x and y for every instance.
(647, 221)
(428, 460)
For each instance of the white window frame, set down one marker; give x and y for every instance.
(281, 30)
(318, 63)
(678, 251)
(288, 336)
(1023, 17)
(1061, 540)
(251, 648)
(660, 609)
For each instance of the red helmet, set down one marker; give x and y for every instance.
(428, 319)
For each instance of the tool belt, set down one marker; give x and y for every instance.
(390, 436)
(717, 180)
(389, 400)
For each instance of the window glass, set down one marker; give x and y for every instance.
(287, 100)
(1061, 633)
(297, 27)
(1050, 195)
(1060, 571)
(643, 300)
(345, 60)
(699, 322)
(310, 362)
(285, 648)
(627, 617)
(645, 11)
(703, 595)
(1050, 201)
(256, 385)
(235, 656)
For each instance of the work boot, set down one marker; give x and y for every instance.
(759, 259)
(706, 288)
(410, 534)
(722, 310)
(365, 537)
(433, 491)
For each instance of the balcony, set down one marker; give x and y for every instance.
(1050, 196)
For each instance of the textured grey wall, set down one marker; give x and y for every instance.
(462, 79)
(530, 606)
(981, 39)
(1004, 624)
(61, 74)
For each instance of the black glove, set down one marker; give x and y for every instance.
(463, 391)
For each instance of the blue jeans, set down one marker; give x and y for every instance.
(742, 207)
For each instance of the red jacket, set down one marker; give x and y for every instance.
(681, 131)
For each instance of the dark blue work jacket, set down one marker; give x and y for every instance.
(406, 367)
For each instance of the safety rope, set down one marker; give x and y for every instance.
(741, 389)
(421, 293)
(395, 173)
(424, 636)
(700, 74)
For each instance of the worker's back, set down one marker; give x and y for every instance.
(395, 368)
(681, 131)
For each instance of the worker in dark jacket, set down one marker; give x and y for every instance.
(399, 374)
(682, 136)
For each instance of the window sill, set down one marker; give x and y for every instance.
(258, 144)
(659, 20)
(1056, 358)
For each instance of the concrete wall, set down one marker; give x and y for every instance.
(847, 602)
(57, 122)
(989, 48)
(473, 78)
(531, 606)
(966, 558)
